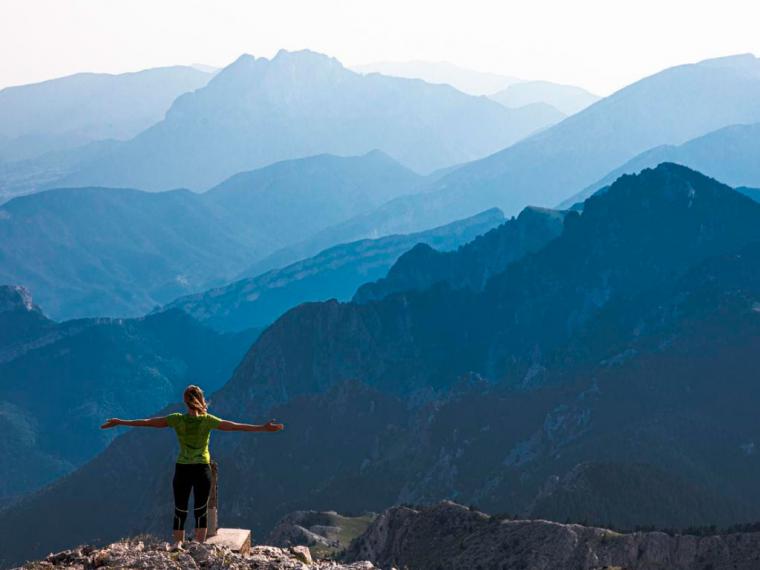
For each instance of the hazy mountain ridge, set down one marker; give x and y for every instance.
(68, 112)
(95, 251)
(670, 107)
(568, 99)
(334, 273)
(293, 199)
(23, 177)
(107, 251)
(257, 111)
(508, 91)
(463, 79)
(728, 154)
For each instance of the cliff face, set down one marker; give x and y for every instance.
(449, 536)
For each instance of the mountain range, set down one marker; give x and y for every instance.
(568, 99)
(509, 91)
(89, 370)
(670, 107)
(257, 111)
(379, 263)
(121, 252)
(729, 154)
(334, 273)
(471, 265)
(440, 72)
(579, 382)
(68, 112)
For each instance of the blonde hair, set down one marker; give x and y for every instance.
(195, 400)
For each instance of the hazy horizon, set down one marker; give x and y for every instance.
(581, 44)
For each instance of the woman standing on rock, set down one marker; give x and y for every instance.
(193, 468)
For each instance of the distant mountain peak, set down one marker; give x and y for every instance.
(670, 188)
(304, 55)
(243, 63)
(246, 61)
(250, 74)
(15, 298)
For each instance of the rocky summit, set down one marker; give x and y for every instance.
(444, 536)
(150, 553)
(451, 536)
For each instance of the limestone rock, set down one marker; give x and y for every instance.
(151, 554)
(302, 553)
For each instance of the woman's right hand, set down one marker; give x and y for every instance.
(272, 426)
(112, 422)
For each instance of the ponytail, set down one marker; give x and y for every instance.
(195, 400)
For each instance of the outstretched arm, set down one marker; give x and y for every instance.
(152, 422)
(226, 425)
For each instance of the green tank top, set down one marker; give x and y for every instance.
(193, 433)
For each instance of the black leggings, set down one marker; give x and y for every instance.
(187, 477)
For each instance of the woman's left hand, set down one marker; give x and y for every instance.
(112, 422)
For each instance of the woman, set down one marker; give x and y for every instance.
(193, 469)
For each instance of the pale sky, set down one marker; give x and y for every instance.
(601, 45)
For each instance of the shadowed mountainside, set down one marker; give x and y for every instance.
(90, 370)
(472, 264)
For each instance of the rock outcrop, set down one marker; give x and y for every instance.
(150, 553)
(15, 298)
(326, 532)
(449, 535)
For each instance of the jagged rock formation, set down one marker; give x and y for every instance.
(150, 553)
(450, 536)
